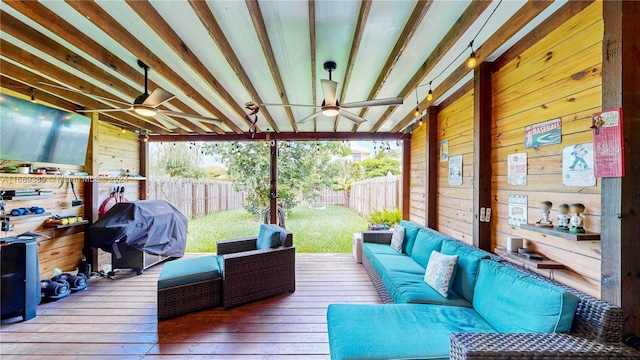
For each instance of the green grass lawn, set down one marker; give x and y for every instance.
(327, 230)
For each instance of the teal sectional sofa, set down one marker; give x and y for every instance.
(493, 309)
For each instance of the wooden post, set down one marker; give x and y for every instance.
(273, 188)
(431, 167)
(194, 199)
(482, 154)
(143, 190)
(206, 197)
(91, 206)
(620, 197)
(406, 177)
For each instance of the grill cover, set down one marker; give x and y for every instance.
(152, 226)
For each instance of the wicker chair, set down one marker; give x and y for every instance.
(596, 332)
(250, 274)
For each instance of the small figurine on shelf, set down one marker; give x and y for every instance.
(577, 221)
(544, 219)
(563, 218)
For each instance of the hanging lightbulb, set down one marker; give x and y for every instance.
(146, 138)
(416, 113)
(420, 122)
(430, 94)
(33, 95)
(471, 63)
(123, 130)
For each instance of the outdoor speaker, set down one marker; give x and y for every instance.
(513, 244)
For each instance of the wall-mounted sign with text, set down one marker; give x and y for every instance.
(543, 134)
(608, 144)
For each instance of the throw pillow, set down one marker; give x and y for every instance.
(268, 237)
(440, 271)
(398, 238)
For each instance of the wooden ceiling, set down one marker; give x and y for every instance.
(217, 55)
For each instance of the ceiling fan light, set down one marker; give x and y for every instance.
(145, 111)
(330, 111)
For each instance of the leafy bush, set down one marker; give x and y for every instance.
(386, 216)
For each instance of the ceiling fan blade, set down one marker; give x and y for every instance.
(353, 117)
(310, 117)
(376, 102)
(206, 119)
(157, 97)
(86, 93)
(290, 105)
(329, 90)
(166, 121)
(103, 110)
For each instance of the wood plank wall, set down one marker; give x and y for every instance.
(559, 76)
(455, 205)
(64, 248)
(418, 175)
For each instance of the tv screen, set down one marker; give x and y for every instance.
(31, 132)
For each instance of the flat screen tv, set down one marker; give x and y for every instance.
(31, 132)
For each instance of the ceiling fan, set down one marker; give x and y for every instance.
(147, 104)
(330, 105)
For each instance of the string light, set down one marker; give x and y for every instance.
(471, 62)
(416, 113)
(33, 95)
(123, 130)
(430, 94)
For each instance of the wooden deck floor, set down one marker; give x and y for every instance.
(116, 319)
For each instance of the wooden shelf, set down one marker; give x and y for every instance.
(58, 226)
(588, 236)
(519, 258)
(14, 218)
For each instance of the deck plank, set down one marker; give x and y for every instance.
(116, 319)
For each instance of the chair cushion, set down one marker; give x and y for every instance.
(397, 331)
(521, 303)
(370, 249)
(440, 271)
(411, 288)
(464, 280)
(399, 262)
(426, 242)
(397, 240)
(188, 271)
(268, 237)
(410, 233)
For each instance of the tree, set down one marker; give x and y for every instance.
(177, 160)
(303, 169)
(346, 173)
(380, 167)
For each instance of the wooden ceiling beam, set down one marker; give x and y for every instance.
(365, 7)
(111, 27)
(284, 136)
(209, 21)
(459, 28)
(419, 11)
(154, 20)
(522, 17)
(54, 23)
(29, 61)
(27, 34)
(261, 31)
(34, 80)
(312, 52)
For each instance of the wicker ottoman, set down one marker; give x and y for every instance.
(188, 285)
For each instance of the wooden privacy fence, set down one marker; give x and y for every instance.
(195, 197)
(374, 194)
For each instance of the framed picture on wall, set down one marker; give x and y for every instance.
(444, 151)
(577, 165)
(455, 170)
(517, 207)
(517, 169)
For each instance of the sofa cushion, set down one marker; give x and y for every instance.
(397, 331)
(514, 302)
(411, 288)
(403, 263)
(188, 271)
(440, 271)
(426, 242)
(371, 249)
(410, 233)
(268, 237)
(397, 239)
(464, 280)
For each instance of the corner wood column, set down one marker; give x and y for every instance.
(91, 205)
(431, 178)
(144, 170)
(406, 177)
(273, 188)
(482, 154)
(620, 197)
